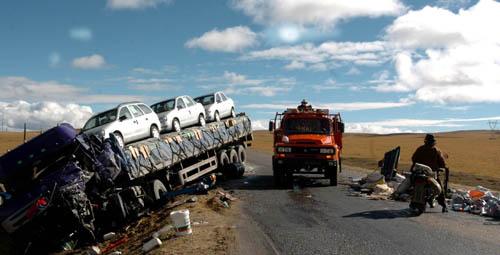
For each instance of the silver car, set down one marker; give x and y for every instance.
(179, 112)
(128, 122)
(217, 106)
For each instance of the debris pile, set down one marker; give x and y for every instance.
(375, 186)
(480, 201)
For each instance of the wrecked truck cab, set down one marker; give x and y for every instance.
(32, 159)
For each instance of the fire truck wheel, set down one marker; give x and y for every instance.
(333, 175)
(277, 176)
(233, 156)
(242, 154)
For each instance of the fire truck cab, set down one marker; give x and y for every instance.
(306, 141)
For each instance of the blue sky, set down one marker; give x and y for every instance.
(386, 65)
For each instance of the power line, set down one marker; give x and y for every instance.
(493, 125)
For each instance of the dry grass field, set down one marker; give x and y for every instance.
(474, 159)
(10, 140)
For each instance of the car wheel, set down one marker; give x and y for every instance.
(201, 120)
(233, 113)
(119, 138)
(154, 132)
(217, 116)
(176, 125)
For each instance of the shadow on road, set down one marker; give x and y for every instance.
(266, 182)
(382, 214)
(492, 222)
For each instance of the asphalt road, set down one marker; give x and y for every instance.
(314, 218)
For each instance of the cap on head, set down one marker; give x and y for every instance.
(429, 139)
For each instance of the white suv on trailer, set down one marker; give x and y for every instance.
(217, 106)
(128, 122)
(179, 112)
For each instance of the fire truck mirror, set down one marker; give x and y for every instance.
(271, 125)
(341, 127)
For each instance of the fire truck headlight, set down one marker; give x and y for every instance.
(284, 149)
(327, 151)
(285, 139)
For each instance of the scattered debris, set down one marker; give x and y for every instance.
(182, 222)
(192, 200)
(163, 233)
(109, 236)
(151, 244)
(93, 250)
(479, 201)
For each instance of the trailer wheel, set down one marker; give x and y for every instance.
(157, 189)
(242, 154)
(223, 159)
(233, 156)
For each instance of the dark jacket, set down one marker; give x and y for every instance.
(430, 156)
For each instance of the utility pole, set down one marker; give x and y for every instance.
(3, 114)
(24, 132)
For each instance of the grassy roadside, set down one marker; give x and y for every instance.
(474, 159)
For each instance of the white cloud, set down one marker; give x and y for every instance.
(352, 106)
(238, 84)
(54, 59)
(231, 39)
(448, 57)
(353, 71)
(21, 88)
(411, 125)
(168, 69)
(239, 79)
(43, 115)
(325, 56)
(134, 4)
(94, 61)
(260, 124)
(81, 34)
(376, 129)
(295, 64)
(329, 84)
(150, 84)
(315, 12)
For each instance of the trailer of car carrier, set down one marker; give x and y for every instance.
(96, 185)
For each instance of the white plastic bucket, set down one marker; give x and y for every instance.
(182, 223)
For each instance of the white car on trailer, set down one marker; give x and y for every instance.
(179, 112)
(217, 106)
